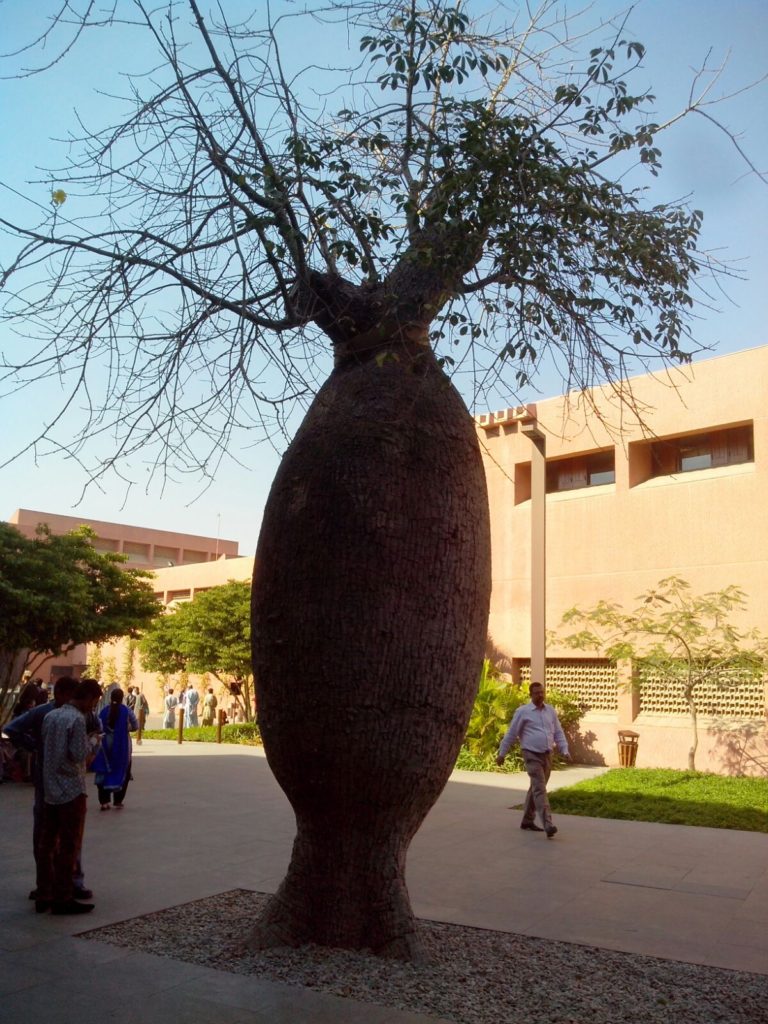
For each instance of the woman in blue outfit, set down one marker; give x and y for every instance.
(112, 764)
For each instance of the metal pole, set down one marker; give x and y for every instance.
(181, 725)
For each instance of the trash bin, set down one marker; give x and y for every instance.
(627, 748)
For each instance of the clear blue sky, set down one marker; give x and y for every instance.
(697, 161)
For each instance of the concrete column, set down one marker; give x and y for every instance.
(628, 694)
(538, 553)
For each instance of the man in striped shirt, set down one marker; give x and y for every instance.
(538, 729)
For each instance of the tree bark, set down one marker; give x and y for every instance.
(693, 711)
(370, 608)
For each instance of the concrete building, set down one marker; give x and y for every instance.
(674, 483)
(145, 548)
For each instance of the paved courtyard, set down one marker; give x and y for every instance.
(201, 819)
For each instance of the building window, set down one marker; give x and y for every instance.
(165, 556)
(729, 447)
(136, 552)
(191, 557)
(588, 470)
(105, 544)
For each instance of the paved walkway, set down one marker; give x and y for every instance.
(201, 819)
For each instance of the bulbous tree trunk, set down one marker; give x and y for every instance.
(370, 608)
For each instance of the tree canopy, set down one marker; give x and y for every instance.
(58, 591)
(458, 178)
(211, 633)
(454, 189)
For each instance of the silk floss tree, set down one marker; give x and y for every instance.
(443, 205)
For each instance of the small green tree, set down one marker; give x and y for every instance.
(686, 638)
(58, 591)
(210, 634)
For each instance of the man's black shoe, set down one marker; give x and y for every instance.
(33, 894)
(72, 907)
(82, 894)
(531, 826)
(551, 831)
(41, 906)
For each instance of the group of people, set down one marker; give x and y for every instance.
(188, 700)
(66, 737)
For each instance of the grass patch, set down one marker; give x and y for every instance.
(671, 797)
(246, 733)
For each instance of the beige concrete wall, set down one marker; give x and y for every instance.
(146, 548)
(615, 540)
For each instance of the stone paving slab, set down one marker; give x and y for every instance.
(201, 819)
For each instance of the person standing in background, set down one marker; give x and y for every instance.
(191, 704)
(210, 703)
(169, 718)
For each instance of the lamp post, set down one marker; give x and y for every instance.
(538, 550)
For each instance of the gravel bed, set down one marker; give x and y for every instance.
(476, 976)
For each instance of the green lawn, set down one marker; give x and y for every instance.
(673, 797)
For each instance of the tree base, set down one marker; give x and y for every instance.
(278, 927)
(346, 892)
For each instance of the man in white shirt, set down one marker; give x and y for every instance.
(538, 729)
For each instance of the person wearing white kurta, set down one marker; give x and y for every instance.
(169, 718)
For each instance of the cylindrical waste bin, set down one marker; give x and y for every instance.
(627, 748)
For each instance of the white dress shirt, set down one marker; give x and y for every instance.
(537, 728)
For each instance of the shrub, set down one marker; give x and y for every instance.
(495, 703)
(241, 732)
(487, 762)
(238, 732)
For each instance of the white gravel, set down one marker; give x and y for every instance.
(476, 976)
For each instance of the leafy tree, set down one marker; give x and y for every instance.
(686, 638)
(209, 634)
(456, 199)
(158, 647)
(57, 591)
